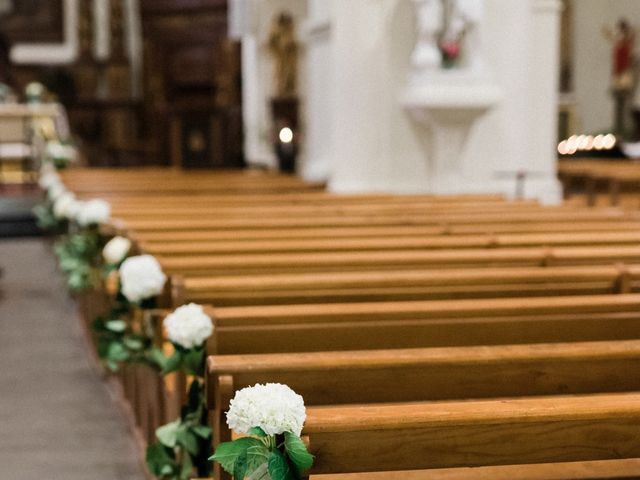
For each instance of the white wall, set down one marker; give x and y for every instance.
(593, 57)
(375, 145)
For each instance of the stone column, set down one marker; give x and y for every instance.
(543, 83)
(361, 160)
(319, 98)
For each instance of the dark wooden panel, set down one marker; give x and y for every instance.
(192, 77)
(165, 7)
(31, 21)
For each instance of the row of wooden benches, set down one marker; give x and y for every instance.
(591, 175)
(550, 375)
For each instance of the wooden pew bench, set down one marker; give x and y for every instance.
(424, 219)
(593, 470)
(454, 434)
(437, 242)
(386, 207)
(192, 235)
(261, 263)
(369, 286)
(407, 375)
(382, 325)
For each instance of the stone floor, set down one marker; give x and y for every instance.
(57, 421)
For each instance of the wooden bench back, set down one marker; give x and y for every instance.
(429, 435)
(369, 286)
(379, 376)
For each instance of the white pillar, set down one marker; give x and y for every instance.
(257, 149)
(360, 154)
(543, 111)
(318, 111)
(101, 30)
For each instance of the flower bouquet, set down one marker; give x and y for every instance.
(272, 417)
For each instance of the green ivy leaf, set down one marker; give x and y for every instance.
(279, 468)
(202, 431)
(194, 360)
(116, 352)
(240, 466)
(187, 468)
(159, 460)
(133, 343)
(257, 431)
(188, 440)
(117, 326)
(155, 356)
(173, 362)
(227, 453)
(168, 434)
(257, 455)
(297, 452)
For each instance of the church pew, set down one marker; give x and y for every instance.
(424, 219)
(383, 325)
(369, 286)
(261, 263)
(591, 470)
(392, 243)
(152, 210)
(426, 435)
(585, 228)
(429, 324)
(379, 376)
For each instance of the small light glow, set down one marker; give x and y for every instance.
(598, 142)
(589, 143)
(286, 135)
(562, 148)
(609, 141)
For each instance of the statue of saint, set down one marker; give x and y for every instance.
(430, 18)
(463, 32)
(623, 40)
(622, 75)
(448, 34)
(283, 46)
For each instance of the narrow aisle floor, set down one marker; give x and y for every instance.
(57, 421)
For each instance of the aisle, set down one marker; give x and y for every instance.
(56, 417)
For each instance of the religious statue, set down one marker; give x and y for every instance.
(448, 34)
(283, 46)
(622, 75)
(430, 16)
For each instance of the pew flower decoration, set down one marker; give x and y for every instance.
(116, 250)
(47, 179)
(141, 278)
(93, 213)
(188, 328)
(59, 154)
(45, 214)
(66, 206)
(79, 250)
(184, 445)
(273, 416)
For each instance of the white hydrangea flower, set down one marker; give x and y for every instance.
(55, 149)
(65, 206)
(116, 250)
(93, 212)
(141, 277)
(48, 179)
(188, 326)
(56, 190)
(273, 407)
